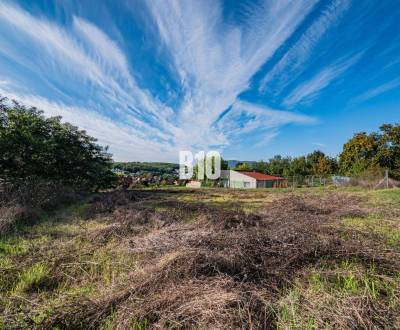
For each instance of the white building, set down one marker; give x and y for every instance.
(249, 180)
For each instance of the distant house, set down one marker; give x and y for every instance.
(242, 179)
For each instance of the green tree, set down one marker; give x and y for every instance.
(260, 166)
(321, 164)
(300, 166)
(243, 167)
(313, 159)
(388, 150)
(32, 146)
(359, 153)
(279, 166)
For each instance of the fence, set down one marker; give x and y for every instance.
(299, 181)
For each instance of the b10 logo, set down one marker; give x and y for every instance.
(207, 164)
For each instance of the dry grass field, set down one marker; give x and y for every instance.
(207, 259)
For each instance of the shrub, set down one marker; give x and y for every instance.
(25, 202)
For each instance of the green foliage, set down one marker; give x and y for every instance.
(242, 167)
(363, 154)
(224, 164)
(321, 164)
(388, 151)
(32, 146)
(278, 165)
(300, 166)
(376, 150)
(358, 154)
(140, 168)
(316, 163)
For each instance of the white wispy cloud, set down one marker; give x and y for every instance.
(214, 62)
(310, 89)
(373, 92)
(261, 119)
(104, 48)
(291, 65)
(98, 61)
(126, 142)
(54, 41)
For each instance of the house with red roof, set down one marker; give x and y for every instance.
(251, 180)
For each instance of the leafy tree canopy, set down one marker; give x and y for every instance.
(243, 167)
(376, 150)
(32, 146)
(316, 163)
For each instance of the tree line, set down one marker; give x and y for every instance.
(141, 168)
(315, 163)
(361, 154)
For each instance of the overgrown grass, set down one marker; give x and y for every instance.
(108, 263)
(384, 216)
(28, 268)
(351, 278)
(320, 296)
(388, 229)
(289, 314)
(57, 262)
(389, 198)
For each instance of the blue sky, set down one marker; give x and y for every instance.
(249, 78)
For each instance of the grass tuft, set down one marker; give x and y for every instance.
(32, 279)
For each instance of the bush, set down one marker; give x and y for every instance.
(9, 216)
(25, 202)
